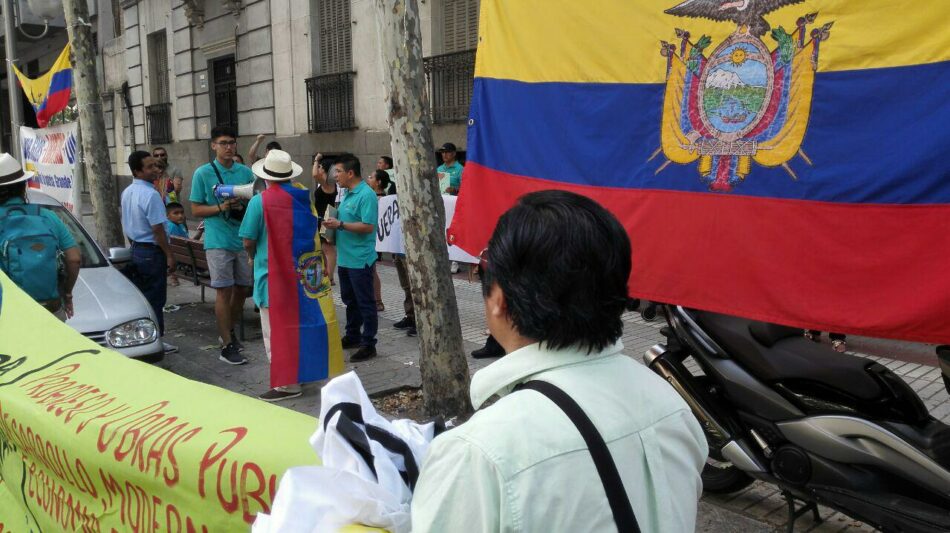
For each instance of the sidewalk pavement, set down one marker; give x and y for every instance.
(759, 508)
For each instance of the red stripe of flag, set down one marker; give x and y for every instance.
(752, 256)
(283, 294)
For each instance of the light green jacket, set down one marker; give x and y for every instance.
(521, 465)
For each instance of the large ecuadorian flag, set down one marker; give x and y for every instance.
(49, 93)
(305, 338)
(782, 160)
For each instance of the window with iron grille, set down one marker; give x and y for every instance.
(224, 93)
(450, 76)
(330, 94)
(158, 115)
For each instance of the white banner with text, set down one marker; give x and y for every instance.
(52, 154)
(389, 229)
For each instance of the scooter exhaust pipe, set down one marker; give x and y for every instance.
(720, 438)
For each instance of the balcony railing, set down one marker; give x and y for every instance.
(330, 102)
(159, 123)
(449, 79)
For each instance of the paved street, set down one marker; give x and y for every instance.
(758, 508)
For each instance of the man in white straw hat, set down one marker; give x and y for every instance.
(33, 240)
(299, 352)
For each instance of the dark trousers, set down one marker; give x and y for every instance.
(400, 261)
(356, 290)
(151, 278)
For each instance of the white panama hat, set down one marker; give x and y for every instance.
(11, 172)
(277, 166)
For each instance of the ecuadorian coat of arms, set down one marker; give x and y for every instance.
(744, 101)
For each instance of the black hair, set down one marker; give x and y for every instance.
(16, 190)
(562, 262)
(273, 145)
(159, 148)
(239, 158)
(388, 160)
(171, 206)
(222, 131)
(137, 160)
(383, 178)
(349, 162)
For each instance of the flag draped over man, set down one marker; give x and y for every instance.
(49, 94)
(303, 346)
(781, 160)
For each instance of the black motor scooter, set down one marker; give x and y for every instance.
(826, 428)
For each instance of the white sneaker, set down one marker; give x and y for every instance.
(454, 268)
(169, 348)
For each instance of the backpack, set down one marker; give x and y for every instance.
(29, 251)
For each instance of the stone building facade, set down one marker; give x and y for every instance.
(306, 73)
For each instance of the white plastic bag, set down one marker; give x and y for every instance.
(345, 489)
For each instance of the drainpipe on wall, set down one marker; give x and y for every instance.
(127, 99)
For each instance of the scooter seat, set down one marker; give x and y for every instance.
(775, 353)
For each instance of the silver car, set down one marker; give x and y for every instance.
(109, 309)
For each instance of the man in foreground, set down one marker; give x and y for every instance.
(522, 464)
(231, 273)
(31, 241)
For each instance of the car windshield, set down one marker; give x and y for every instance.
(91, 256)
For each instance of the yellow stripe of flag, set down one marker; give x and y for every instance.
(617, 41)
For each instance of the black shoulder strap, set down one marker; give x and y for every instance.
(616, 495)
(216, 172)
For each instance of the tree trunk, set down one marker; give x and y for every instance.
(443, 364)
(102, 186)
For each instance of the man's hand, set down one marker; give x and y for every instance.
(332, 223)
(261, 137)
(228, 204)
(68, 305)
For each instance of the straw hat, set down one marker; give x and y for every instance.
(277, 166)
(11, 172)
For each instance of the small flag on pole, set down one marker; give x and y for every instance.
(49, 94)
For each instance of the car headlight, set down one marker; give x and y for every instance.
(133, 333)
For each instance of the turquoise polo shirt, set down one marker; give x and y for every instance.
(220, 231)
(255, 228)
(357, 250)
(449, 176)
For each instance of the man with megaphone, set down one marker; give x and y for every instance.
(231, 273)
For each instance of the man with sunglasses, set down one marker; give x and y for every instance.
(529, 462)
(231, 274)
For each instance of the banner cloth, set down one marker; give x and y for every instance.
(389, 229)
(93, 441)
(53, 153)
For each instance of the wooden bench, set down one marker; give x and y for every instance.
(189, 252)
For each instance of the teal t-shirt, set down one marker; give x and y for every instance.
(449, 176)
(357, 250)
(220, 232)
(253, 227)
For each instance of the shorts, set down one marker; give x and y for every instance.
(229, 268)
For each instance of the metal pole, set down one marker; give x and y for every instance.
(16, 111)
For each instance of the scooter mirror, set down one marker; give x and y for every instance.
(943, 356)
